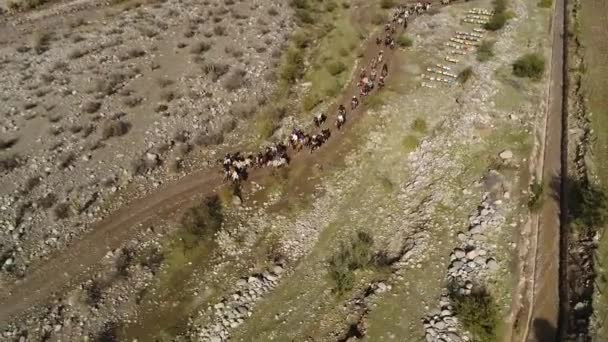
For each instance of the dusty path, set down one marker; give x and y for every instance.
(542, 320)
(72, 265)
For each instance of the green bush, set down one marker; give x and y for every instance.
(293, 66)
(477, 312)
(204, 220)
(465, 74)
(536, 196)
(304, 16)
(485, 51)
(531, 65)
(500, 17)
(404, 41)
(357, 254)
(497, 21)
(335, 68)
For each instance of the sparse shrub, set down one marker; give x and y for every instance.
(536, 196)
(40, 41)
(374, 101)
(302, 4)
(216, 70)
(167, 95)
(293, 67)
(131, 53)
(273, 11)
(335, 68)
(31, 183)
(310, 101)
(132, 101)
(7, 143)
(62, 211)
(545, 3)
(243, 110)
(531, 65)
(386, 4)
(235, 80)
(114, 128)
(209, 138)
(24, 5)
(485, 50)
(465, 74)
(304, 16)
(164, 82)
(152, 258)
(76, 53)
(10, 162)
(350, 257)
(47, 201)
(419, 125)
(123, 262)
(91, 106)
(66, 160)
(219, 30)
(200, 47)
(404, 41)
(477, 312)
(203, 220)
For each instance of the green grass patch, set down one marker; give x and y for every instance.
(374, 101)
(485, 51)
(545, 3)
(409, 143)
(419, 125)
(404, 40)
(530, 65)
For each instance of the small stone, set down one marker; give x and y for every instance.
(506, 155)
(440, 325)
(472, 254)
(492, 265)
(459, 253)
(277, 270)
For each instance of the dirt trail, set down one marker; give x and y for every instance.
(72, 265)
(542, 315)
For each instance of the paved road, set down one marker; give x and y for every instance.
(545, 307)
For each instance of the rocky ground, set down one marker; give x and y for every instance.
(115, 99)
(435, 177)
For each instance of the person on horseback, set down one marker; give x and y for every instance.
(340, 121)
(354, 102)
(381, 82)
(341, 110)
(384, 71)
(319, 119)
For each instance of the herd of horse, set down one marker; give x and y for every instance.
(236, 165)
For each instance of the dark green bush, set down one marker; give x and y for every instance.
(351, 256)
(477, 312)
(485, 51)
(531, 65)
(204, 220)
